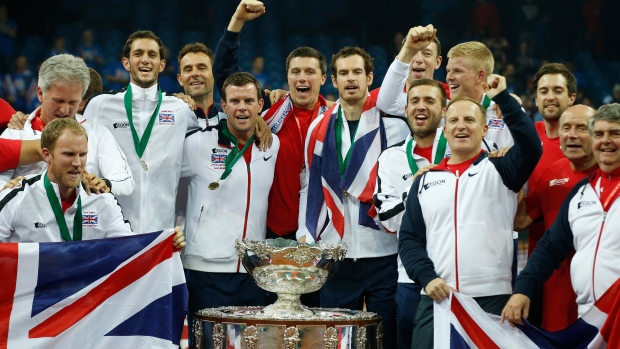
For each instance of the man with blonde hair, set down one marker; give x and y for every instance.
(469, 66)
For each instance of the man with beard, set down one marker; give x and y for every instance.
(150, 128)
(55, 201)
(559, 308)
(397, 167)
(336, 205)
(447, 243)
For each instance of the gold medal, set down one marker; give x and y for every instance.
(214, 185)
(143, 164)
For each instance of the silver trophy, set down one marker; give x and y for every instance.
(289, 269)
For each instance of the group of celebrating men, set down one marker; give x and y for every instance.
(420, 179)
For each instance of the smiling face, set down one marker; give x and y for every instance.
(196, 74)
(242, 107)
(552, 96)
(144, 63)
(351, 79)
(606, 144)
(424, 110)
(62, 100)
(305, 79)
(424, 63)
(463, 78)
(575, 140)
(464, 130)
(66, 161)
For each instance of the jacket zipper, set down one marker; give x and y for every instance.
(456, 241)
(598, 241)
(247, 212)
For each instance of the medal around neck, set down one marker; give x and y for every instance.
(214, 185)
(143, 164)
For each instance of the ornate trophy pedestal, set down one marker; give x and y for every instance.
(251, 328)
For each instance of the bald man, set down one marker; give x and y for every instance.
(559, 307)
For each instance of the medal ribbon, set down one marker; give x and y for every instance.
(235, 154)
(140, 144)
(439, 153)
(60, 217)
(486, 102)
(342, 163)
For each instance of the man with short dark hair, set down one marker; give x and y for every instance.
(149, 127)
(447, 243)
(336, 206)
(587, 223)
(230, 178)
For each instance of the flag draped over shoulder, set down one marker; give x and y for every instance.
(282, 109)
(326, 186)
(126, 292)
(461, 323)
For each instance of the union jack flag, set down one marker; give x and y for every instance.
(461, 324)
(90, 219)
(218, 158)
(111, 293)
(496, 124)
(166, 118)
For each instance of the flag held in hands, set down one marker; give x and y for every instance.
(461, 323)
(117, 293)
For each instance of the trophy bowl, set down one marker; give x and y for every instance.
(290, 269)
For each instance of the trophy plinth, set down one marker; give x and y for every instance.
(289, 269)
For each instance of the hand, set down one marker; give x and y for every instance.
(422, 171)
(91, 182)
(263, 133)
(13, 183)
(17, 121)
(179, 239)
(500, 153)
(419, 37)
(187, 99)
(438, 289)
(249, 10)
(494, 85)
(517, 309)
(302, 239)
(275, 95)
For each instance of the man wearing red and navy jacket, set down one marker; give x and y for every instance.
(457, 230)
(588, 222)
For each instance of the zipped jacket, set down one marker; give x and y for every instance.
(460, 227)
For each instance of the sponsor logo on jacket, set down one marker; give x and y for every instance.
(433, 183)
(90, 219)
(407, 176)
(558, 181)
(585, 204)
(496, 124)
(40, 225)
(120, 125)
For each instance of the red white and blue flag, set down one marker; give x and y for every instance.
(325, 184)
(166, 117)
(461, 323)
(124, 292)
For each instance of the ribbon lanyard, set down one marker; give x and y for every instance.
(60, 217)
(611, 198)
(439, 153)
(486, 102)
(342, 163)
(235, 154)
(140, 144)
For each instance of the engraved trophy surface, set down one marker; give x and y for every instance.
(289, 269)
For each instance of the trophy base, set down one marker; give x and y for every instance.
(288, 306)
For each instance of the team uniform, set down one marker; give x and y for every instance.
(105, 158)
(370, 267)
(469, 246)
(6, 111)
(394, 178)
(151, 207)
(236, 210)
(9, 153)
(559, 307)
(27, 216)
(587, 222)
